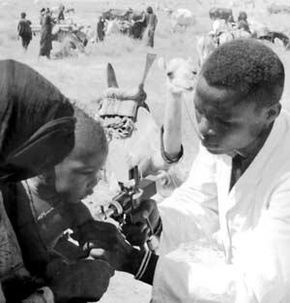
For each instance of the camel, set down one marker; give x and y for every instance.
(112, 27)
(143, 147)
(181, 19)
(208, 42)
(139, 144)
(180, 74)
(180, 79)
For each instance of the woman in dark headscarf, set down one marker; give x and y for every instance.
(36, 133)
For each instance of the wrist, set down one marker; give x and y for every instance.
(158, 228)
(168, 158)
(146, 270)
(149, 272)
(134, 261)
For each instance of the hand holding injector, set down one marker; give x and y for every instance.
(127, 209)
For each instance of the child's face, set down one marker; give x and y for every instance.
(76, 176)
(224, 124)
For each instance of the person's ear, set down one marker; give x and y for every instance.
(273, 112)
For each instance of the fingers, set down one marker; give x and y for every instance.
(137, 235)
(98, 253)
(143, 211)
(105, 267)
(99, 234)
(142, 224)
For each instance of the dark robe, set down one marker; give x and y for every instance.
(101, 30)
(24, 32)
(151, 27)
(37, 132)
(46, 36)
(40, 218)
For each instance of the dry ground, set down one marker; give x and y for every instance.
(83, 78)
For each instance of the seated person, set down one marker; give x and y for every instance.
(43, 207)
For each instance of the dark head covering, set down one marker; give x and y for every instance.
(149, 10)
(36, 123)
(242, 16)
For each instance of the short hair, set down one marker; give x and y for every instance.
(248, 67)
(90, 136)
(23, 15)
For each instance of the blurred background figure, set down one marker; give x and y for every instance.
(46, 23)
(243, 22)
(100, 29)
(151, 20)
(60, 16)
(24, 30)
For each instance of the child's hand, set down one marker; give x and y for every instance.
(104, 241)
(83, 279)
(43, 294)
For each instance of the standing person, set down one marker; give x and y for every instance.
(24, 30)
(46, 33)
(37, 132)
(243, 22)
(151, 21)
(42, 14)
(60, 16)
(100, 29)
(226, 231)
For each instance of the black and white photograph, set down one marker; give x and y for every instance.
(144, 151)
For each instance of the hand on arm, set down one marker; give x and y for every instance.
(144, 222)
(106, 242)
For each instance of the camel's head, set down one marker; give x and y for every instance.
(180, 74)
(113, 91)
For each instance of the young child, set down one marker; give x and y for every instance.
(47, 205)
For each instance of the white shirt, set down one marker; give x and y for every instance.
(229, 246)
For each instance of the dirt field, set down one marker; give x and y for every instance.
(83, 78)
